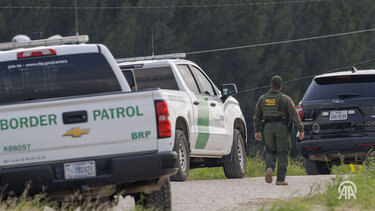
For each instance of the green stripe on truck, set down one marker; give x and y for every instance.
(203, 122)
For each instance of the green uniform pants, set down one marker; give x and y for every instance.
(277, 138)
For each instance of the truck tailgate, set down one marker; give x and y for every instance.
(74, 128)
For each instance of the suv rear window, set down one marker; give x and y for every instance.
(341, 86)
(55, 76)
(161, 77)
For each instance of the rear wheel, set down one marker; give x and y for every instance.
(235, 162)
(183, 157)
(157, 200)
(313, 167)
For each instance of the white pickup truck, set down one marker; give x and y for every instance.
(208, 125)
(68, 121)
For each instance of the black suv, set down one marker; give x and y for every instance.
(338, 111)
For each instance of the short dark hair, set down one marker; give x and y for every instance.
(276, 86)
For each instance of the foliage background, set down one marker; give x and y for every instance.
(127, 33)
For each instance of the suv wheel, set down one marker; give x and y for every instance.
(183, 157)
(235, 162)
(313, 167)
(157, 200)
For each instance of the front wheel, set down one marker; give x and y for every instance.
(235, 163)
(157, 200)
(183, 157)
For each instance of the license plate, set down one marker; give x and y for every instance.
(338, 115)
(79, 170)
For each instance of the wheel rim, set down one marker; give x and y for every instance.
(182, 153)
(241, 158)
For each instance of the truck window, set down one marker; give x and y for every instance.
(161, 77)
(55, 76)
(188, 78)
(205, 83)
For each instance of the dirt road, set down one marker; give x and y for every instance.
(233, 194)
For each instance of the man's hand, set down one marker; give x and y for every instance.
(301, 135)
(258, 136)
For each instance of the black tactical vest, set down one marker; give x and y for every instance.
(271, 106)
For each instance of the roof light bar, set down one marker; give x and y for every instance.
(45, 42)
(156, 57)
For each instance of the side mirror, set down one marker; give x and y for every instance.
(130, 77)
(228, 89)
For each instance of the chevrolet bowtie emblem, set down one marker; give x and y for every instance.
(76, 132)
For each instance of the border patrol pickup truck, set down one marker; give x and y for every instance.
(208, 125)
(68, 121)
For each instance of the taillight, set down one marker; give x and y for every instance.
(367, 144)
(35, 53)
(299, 110)
(344, 76)
(123, 67)
(314, 147)
(164, 125)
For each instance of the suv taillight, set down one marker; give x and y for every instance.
(36, 53)
(299, 110)
(164, 125)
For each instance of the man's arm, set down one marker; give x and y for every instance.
(257, 118)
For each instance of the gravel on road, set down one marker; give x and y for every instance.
(234, 194)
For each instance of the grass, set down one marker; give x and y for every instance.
(326, 197)
(42, 202)
(255, 167)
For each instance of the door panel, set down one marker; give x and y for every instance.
(193, 91)
(218, 135)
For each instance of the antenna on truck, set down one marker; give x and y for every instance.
(45, 42)
(152, 41)
(76, 16)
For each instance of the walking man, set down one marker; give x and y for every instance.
(274, 110)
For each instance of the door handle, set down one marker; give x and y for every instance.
(73, 117)
(213, 104)
(196, 103)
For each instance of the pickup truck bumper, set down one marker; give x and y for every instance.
(116, 170)
(350, 149)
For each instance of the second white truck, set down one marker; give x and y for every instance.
(207, 123)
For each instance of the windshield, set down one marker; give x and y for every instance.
(55, 76)
(341, 87)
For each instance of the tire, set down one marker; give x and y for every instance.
(313, 167)
(157, 200)
(183, 157)
(235, 163)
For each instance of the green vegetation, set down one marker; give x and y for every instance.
(291, 205)
(255, 168)
(326, 196)
(41, 201)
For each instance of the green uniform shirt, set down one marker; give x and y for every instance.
(286, 106)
